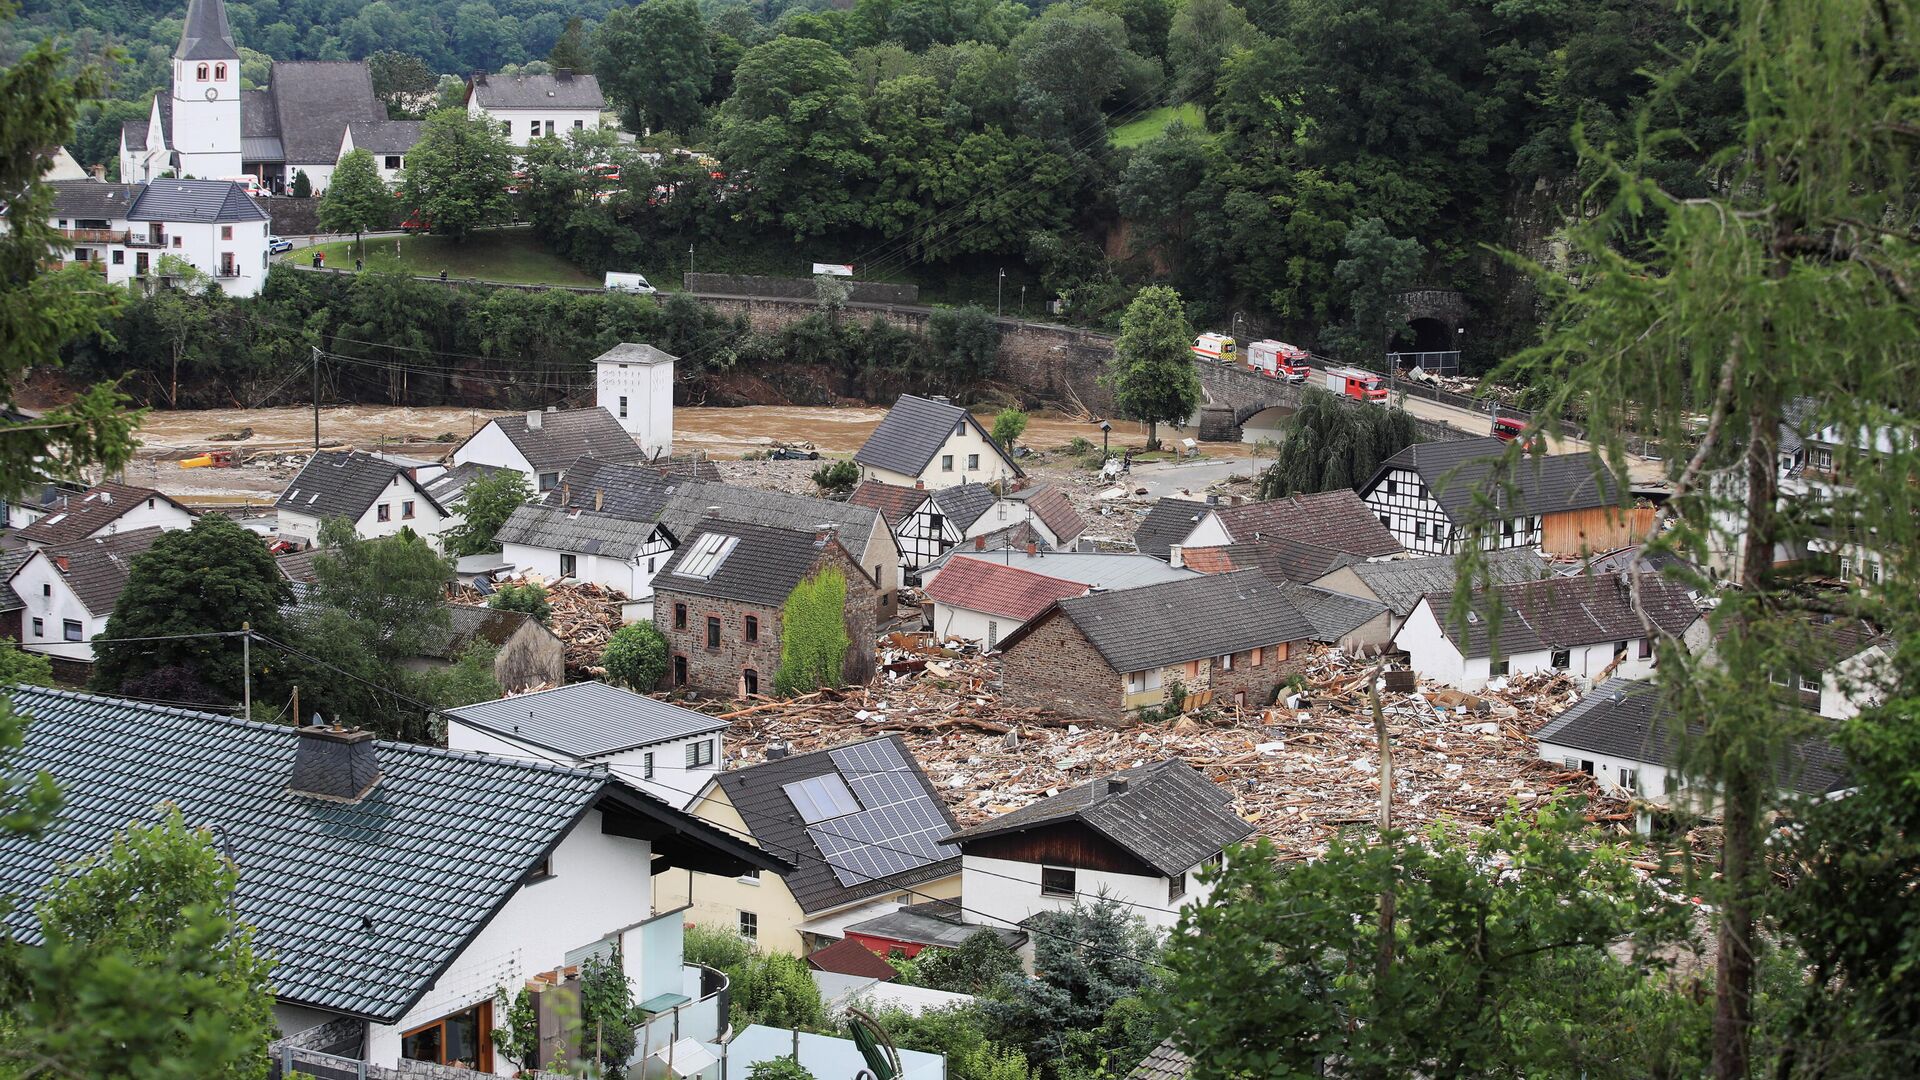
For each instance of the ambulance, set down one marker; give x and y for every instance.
(1214, 347)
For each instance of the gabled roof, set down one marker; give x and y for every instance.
(849, 957)
(92, 200)
(386, 136)
(194, 201)
(1281, 560)
(1169, 522)
(759, 794)
(574, 91)
(632, 492)
(636, 353)
(1166, 1062)
(895, 502)
(1054, 510)
(1400, 583)
(343, 485)
(468, 625)
(581, 532)
(1563, 612)
(1112, 570)
(76, 517)
(1168, 815)
(1337, 520)
(1333, 615)
(362, 905)
(1456, 471)
(96, 569)
(133, 133)
(12, 560)
(586, 720)
(939, 923)
(987, 586)
(1177, 621)
(1628, 719)
(761, 566)
(697, 501)
(964, 504)
(205, 35)
(313, 102)
(914, 430)
(447, 488)
(567, 435)
(297, 566)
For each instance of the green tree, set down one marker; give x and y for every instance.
(837, 477)
(978, 966)
(1204, 33)
(457, 174)
(402, 81)
(19, 667)
(654, 61)
(1008, 426)
(302, 184)
(1087, 959)
(357, 199)
(779, 1069)
(776, 990)
(571, 50)
(396, 585)
(142, 970)
(1152, 376)
(960, 1033)
(1377, 269)
(211, 578)
(795, 126)
(469, 680)
(636, 657)
(965, 343)
(1561, 960)
(526, 598)
(484, 505)
(813, 635)
(1331, 444)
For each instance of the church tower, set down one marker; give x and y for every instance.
(206, 95)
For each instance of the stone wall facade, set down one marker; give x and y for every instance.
(868, 292)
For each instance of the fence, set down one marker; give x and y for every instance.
(1439, 363)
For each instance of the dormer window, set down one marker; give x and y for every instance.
(220, 71)
(200, 73)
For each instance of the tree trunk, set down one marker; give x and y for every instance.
(1742, 781)
(1384, 963)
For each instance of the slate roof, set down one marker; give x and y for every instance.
(1166, 1062)
(386, 136)
(332, 485)
(91, 200)
(757, 794)
(1177, 621)
(1333, 615)
(913, 431)
(362, 905)
(586, 720)
(297, 566)
(195, 201)
(1457, 470)
(687, 468)
(987, 586)
(628, 491)
(134, 133)
(630, 352)
(567, 435)
(1337, 520)
(1628, 719)
(96, 569)
(1168, 523)
(1562, 612)
(939, 923)
(698, 501)
(581, 532)
(1631, 558)
(1170, 816)
(76, 517)
(1054, 510)
(1400, 583)
(895, 502)
(447, 488)
(10, 561)
(577, 91)
(310, 103)
(1281, 560)
(763, 567)
(205, 35)
(964, 504)
(265, 148)
(468, 624)
(849, 957)
(1106, 569)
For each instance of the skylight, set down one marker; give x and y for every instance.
(709, 551)
(57, 518)
(820, 798)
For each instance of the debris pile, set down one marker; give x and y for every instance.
(584, 616)
(1302, 772)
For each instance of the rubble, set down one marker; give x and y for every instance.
(584, 617)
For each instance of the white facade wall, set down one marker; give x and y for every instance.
(949, 466)
(427, 521)
(490, 446)
(150, 512)
(958, 622)
(1436, 657)
(632, 577)
(206, 118)
(600, 884)
(1208, 533)
(203, 245)
(319, 175)
(518, 123)
(1614, 774)
(672, 781)
(1404, 504)
(390, 166)
(992, 899)
(640, 396)
(51, 600)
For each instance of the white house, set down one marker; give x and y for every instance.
(665, 750)
(529, 107)
(1584, 626)
(635, 384)
(68, 591)
(533, 867)
(104, 509)
(124, 230)
(557, 542)
(926, 524)
(379, 497)
(1324, 525)
(983, 600)
(933, 443)
(389, 141)
(544, 445)
(1140, 837)
(1401, 583)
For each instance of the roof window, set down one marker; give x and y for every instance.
(709, 551)
(820, 798)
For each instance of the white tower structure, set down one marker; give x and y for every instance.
(206, 95)
(635, 384)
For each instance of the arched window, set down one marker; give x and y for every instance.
(200, 73)
(220, 71)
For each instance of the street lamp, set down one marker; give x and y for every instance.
(1105, 430)
(999, 287)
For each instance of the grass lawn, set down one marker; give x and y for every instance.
(1151, 125)
(511, 255)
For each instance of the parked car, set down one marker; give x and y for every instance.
(278, 245)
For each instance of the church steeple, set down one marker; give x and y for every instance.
(206, 35)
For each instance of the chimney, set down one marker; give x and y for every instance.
(919, 485)
(1033, 548)
(1176, 556)
(776, 751)
(334, 763)
(599, 498)
(100, 173)
(61, 562)
(980, 542)
(533, 419)
(566, 494)
(1116, 785)
(479, 78)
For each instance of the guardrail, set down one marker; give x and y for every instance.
(1440, 363)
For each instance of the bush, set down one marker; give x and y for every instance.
(528, 599)
(779, 1069)
(1008, 426)
(837, 478)
(636, 657)
(813, 635)
(777, 990)
(722, 950)
(19, 666)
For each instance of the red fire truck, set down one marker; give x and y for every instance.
(1357, 384)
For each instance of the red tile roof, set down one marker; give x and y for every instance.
(998, 589)
(893, 501)
(1208, 560)
(1332, 519)
(78, 517)
(849, 957)
(1052, 507)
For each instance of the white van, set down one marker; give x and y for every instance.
(633, 283)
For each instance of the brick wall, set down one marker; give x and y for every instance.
(1259, 683)
(1055, 667)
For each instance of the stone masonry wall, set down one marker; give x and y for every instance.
(1260, 683)
(1055, 667)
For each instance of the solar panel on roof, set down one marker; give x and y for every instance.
(819, 798)
(897, 830)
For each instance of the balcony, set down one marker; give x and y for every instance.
(146, 240)
(227, 272)
(95, 236)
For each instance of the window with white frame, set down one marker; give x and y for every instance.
(750, 926)
(1630, 779)
(1139, 682)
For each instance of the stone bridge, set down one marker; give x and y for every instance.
(1235, 394)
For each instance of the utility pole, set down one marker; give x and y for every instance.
(246, 670)
(999, 288)
(297, 722)
(316, 399)
(689, 260)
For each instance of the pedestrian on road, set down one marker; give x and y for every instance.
(443, 273)
(359, 265)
